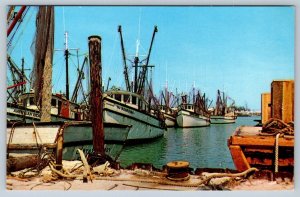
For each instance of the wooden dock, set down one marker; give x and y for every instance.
(250, 148)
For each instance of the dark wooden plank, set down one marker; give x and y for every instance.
(239, 158)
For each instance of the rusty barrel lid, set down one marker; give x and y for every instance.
(178, 164)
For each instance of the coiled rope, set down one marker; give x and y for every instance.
(274, 126)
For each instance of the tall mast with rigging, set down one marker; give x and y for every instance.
(124, 60)
(144, 70)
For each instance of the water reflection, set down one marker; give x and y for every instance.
(204, 147)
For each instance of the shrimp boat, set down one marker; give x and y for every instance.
(130, 106)
(226, 119)
(223, 114)
(30, 138)
(167, 107)
(62, 138)
(169, 115)
(192, 115)
(27, 111)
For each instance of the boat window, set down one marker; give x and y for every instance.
(24, 101)
(118, 97)
(189, 107)
(59, 106)
(53, 102)
(126, 98)
(133, 100)
(31, 101)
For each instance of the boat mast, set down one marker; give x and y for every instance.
(16, 19)
(79, 81)
(124, 60)
(67, 65)
(166, 91)
(144, 71)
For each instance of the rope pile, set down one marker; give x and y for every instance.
(276, 126)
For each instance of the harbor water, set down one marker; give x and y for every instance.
(204, 147)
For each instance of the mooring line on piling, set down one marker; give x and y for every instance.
(166, 182)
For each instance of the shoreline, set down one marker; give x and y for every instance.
(104, 178)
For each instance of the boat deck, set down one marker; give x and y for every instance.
(251, 148)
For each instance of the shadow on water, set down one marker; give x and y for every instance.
(204, 147)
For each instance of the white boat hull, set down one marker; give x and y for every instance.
(222, 119)
(144, 126)
(187, 119)
(170, 120)
(28, 138)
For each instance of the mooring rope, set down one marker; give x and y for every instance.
(181, 184)
(276, 152)
(274, 126)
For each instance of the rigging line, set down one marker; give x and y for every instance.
(77, 60)
(27, 20)
(64, 22)
(79, 55)
(138, 36)
(139, 31)
(58, 76)
(74, 64)
(111, 57)
(26, 11)
(73, 42)
(59, 59)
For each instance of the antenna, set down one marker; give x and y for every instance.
(66, 40)
(138, 37)
(64, 24)
(166, 74)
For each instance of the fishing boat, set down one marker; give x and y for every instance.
(134, 106)
(169, 115)
(167, 108)
(226, 119)
(31, 138)
(128, 108)
(223, 114)
(62, 137)
(25, 105)
(26, 109)
(192, 115)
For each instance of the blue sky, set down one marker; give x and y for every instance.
(239, 50)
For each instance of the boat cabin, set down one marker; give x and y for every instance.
(171, 111)
(130, 99)
(188, 107)
(60, 106)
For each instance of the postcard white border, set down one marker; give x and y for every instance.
(4, 3)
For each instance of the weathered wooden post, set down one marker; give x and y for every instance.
(43, 60)
(96, 94)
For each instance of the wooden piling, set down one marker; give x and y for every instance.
(265, 107)
(96, 94)
(282, 100)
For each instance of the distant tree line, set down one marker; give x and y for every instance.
(241, 108)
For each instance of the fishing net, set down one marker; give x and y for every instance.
(44, 44)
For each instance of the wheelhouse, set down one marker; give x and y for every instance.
(129, 98)
(60, 106)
